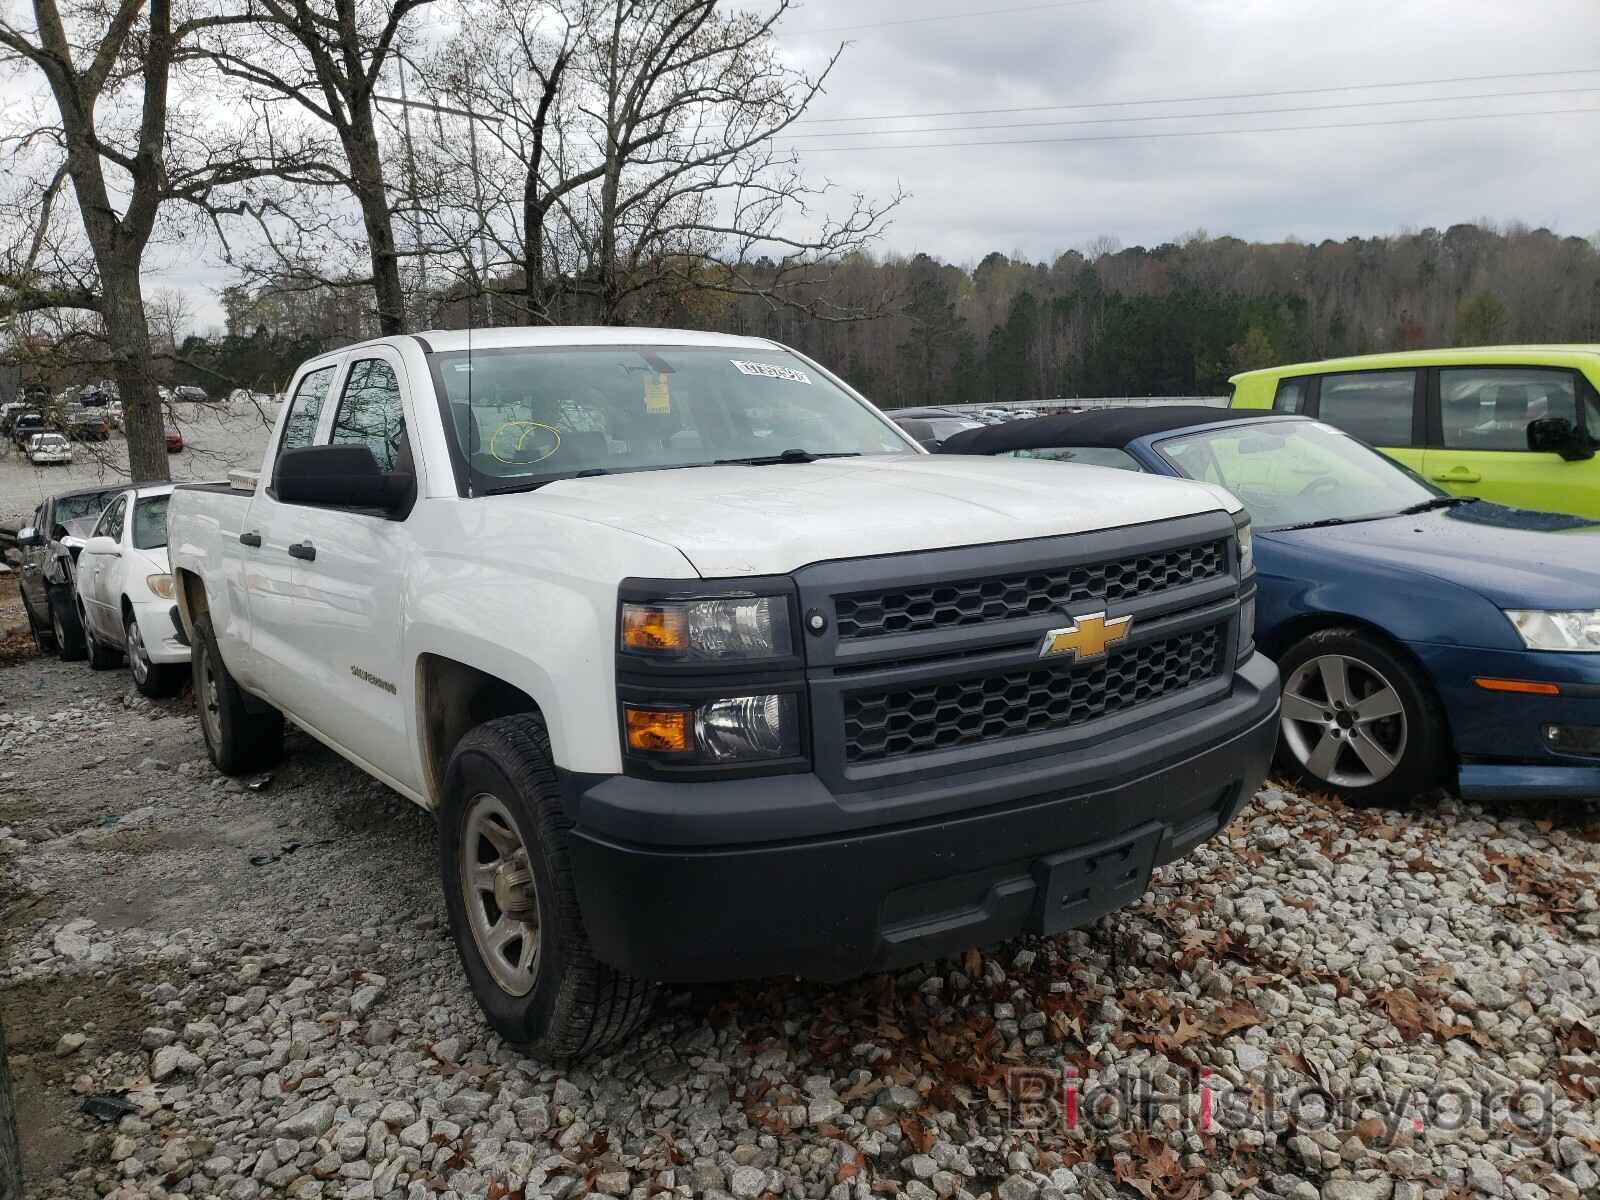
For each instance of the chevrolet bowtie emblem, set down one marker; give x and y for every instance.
(1087, 636)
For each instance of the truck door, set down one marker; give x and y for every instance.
(349, 579)
(277, 664)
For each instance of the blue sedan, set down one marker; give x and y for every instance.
(1422, 638)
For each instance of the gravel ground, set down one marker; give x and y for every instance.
(215, 442)
(260, 970)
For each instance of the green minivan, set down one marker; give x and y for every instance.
(1518, 425)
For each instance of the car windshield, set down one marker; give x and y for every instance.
(150, 523)
(1093, 456)
(1297, 472)
(533, 414)
(72, 508)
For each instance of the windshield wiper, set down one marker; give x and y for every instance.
(788, 456)
(1436, 502)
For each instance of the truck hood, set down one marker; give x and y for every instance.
(769, 520)
(1511, 557)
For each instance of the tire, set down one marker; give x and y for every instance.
(66, 627)
(238, 739)
(101, 656)
(564, 1003)
(152, 679)
(44, 637)
(1384, 741)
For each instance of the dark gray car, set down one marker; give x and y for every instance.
(48, 568)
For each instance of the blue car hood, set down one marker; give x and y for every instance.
(1512, 557)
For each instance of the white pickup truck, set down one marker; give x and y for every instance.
(708, 671)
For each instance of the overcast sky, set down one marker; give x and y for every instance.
(1040, 199)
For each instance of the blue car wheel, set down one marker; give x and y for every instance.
(1359, 720)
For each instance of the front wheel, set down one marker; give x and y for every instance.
(513, 903)
(152, 679)
(1359, 720)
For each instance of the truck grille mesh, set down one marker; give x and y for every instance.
(1032, 593)
(935, 716)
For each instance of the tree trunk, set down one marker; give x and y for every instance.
(10, 1150)
(366, 170)
(128, 332)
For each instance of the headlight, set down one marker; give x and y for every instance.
(1558, 630)
(721, 628)
(161, 585)
(726, 730)
(1247, 549)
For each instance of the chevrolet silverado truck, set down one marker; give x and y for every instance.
(707, 671)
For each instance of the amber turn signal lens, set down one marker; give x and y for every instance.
(659, 730)
(648, 628)
(1525, 686)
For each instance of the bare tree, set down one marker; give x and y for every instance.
(109, 68)
(644, 169)
(328, 59)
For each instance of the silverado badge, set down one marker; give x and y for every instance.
(1087, 637)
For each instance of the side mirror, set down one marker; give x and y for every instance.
(101, 544)
(29, 536)
(1557, 435)
(342, 477)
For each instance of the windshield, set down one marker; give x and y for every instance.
(150, 523)
(1295, 472)
(1093, 456)
(542, 414)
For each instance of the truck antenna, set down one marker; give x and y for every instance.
(472, 423)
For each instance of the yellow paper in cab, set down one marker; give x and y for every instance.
(657, 396)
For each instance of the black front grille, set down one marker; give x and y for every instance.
(935, 716)
(1024, 594)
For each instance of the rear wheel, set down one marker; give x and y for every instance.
(152, 679)
(241, 736)
(513, 903)
(65, 626)
(1359, 720)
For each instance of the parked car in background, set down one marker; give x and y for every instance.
(1517, 425)
(26, 424)
(114, 413)
(695, 701)
(930, 432)
(8, 413)
(174, 440)
(88, 425)
(49, 450)
(1423, 638)
(190, 393)
(47, 575)
(125, 596)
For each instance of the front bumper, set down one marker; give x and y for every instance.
(777, 875)
(1500, 737)
(155, 626)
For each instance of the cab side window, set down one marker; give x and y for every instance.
(1489, 408)
(370, 413)
(305, 410)
(1375, 406)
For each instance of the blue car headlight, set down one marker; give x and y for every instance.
(1570, 631)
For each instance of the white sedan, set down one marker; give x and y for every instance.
(125, 595)
(47, 449)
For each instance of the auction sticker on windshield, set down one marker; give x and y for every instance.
(771, 372)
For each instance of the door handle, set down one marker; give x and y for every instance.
(251, 539)
(303, 550)
(1457, 475)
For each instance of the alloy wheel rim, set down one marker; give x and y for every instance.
(137, 662)
(501, 894)
(1344, 721)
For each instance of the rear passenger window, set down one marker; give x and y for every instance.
(1375, 406)
(305, 410)
(1291, 395)
(370, 413)
(1489, 408)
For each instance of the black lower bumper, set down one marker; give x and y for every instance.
(882, 895)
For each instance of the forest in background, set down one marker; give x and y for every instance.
(1177, 319)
